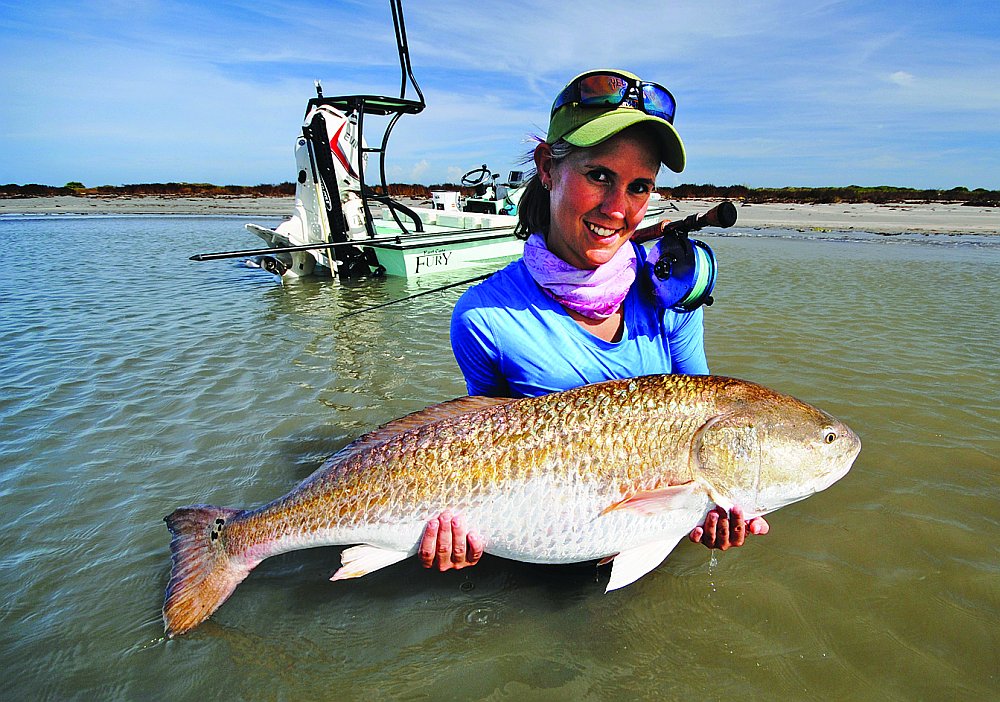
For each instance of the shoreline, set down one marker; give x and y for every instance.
(946, 218)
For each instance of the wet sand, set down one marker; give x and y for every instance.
(895, 218)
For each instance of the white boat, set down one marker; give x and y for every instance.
(377, 234)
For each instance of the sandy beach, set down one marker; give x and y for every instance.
(148, 205)
(896, 218)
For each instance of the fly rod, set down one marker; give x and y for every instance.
(722, 215)
(387, 240)
(265, 252)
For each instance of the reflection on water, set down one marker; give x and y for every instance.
(136, 381)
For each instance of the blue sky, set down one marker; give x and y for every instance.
(770, 92)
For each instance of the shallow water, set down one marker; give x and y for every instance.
(135, 381)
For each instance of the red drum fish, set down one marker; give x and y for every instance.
(620, 470)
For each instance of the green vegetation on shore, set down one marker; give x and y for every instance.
(979, 197)
(847, 194)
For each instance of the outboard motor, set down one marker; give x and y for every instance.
(328, 205)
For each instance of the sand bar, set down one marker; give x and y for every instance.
(894, 218)
(923, 218)
(148, 205)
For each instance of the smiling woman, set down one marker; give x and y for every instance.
(573, 310)
(598, 195)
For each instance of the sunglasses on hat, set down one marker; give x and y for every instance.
(613, 89)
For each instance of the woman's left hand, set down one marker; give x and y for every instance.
(723, 531)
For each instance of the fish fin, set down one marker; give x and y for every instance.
(628, 566)
(443, 410)
(362, 560)
(697, 441)
(202, 575)
(428, 415)
(699, 436)
(659, 500)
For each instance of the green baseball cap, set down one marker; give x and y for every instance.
(589, 125)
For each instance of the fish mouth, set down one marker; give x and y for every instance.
(831, 478)
(849, 459)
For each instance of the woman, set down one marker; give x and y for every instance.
(571, 311)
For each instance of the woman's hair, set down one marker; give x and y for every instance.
(533, 207)
(533, 210)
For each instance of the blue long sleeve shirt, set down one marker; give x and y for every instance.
(512, 340)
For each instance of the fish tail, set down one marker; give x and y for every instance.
(203, 574)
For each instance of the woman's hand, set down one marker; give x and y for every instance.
(448, 544)
(723, 531)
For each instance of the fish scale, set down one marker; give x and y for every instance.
(620, 469)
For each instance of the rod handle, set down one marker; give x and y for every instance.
(722, 215)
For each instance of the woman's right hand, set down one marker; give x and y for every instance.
(447, 544)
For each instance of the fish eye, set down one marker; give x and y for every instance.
(830, 436)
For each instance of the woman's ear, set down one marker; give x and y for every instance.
(543, 164)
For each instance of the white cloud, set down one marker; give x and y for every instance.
(902, 78)
(419, 170)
